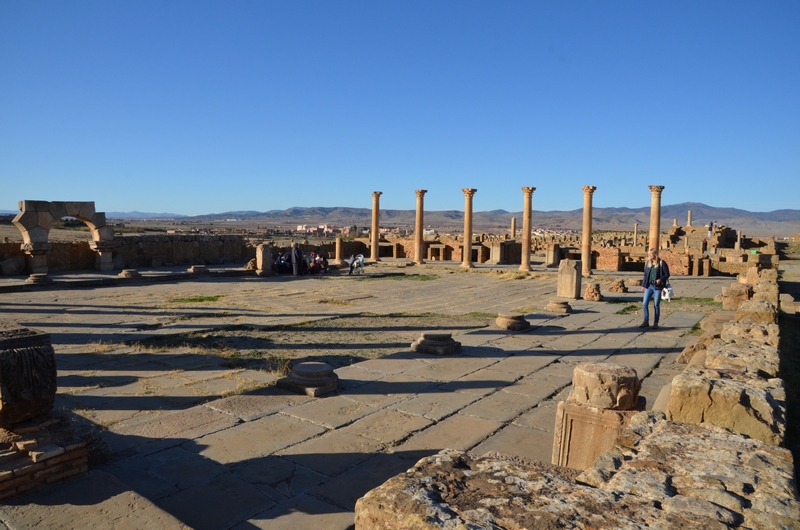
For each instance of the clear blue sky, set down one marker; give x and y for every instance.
(198, 107)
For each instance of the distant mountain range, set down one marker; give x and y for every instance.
(778, 222)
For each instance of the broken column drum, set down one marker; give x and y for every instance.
(27, 375)
(314, 379)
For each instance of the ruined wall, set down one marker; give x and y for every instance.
(679, 264)
(607, 259)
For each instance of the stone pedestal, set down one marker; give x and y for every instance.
(592, 292)
(264, 260)
(105, 254)
(37, 256)
(553, 256)
(558, 306)
(569, 279)
(512, 322)
(27, 375)
(436, 344)
(313, 379)
(603, 398)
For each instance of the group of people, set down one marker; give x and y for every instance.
(297, 263)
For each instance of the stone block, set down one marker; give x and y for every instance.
(512, 322)
(104, 233)
(87, 211)
(759, 311)
(129, 273)
(592, 292)
(734, 400)
(569, 279)
(98, 220)
(768, 274)
(733, 296)
(605, 385)
(748, 330)
(618, 286)
(752, 357)
(27, 374)
(436, 344)
(264, 257)
(45, 220)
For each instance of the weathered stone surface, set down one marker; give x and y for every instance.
(605, 385)
(512, 322)
(592, 292)
(453, 490)
(569, 279)
(701, 471)
(735, 295)
(27, 374)
(618, 286)
(737, 401)
(753, 357)
(748, 330)
(759, 311)
(691, 349)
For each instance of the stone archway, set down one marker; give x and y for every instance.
(36, 218)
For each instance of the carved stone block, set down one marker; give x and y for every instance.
(436, 344)
(27, 375)
(314, 379)
(512, 322)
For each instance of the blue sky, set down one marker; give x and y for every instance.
(197, 107)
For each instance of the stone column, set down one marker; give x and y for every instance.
(105, 254)
(338, 260)
(586, 245)
(738, 244)
(264, 260)
(655, 217)
(527, 192)
(635, 233)
(513, 228)
(37, 256)
(466, 258)
(418, 231)
(689, 219)
(375, 234)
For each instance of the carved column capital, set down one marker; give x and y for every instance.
(589, 190)
(469, 192)
(420, 193)
(656, 190)
(528, 190)
(376, 194)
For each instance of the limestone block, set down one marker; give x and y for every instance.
(57, 208)
(693, 348)
(737, 401)
(759, 311)
(605, 385)
(765, 286)
(733, 296)
(36, 235)
(752, 357)
(264, 257)
(98, 220)
(87, 211)
(748, 330)
(129, 273)
(27, 220)
(73, 208)
(436, 344)
(251, 265)
(768, 274)
(105, 233)
(45, 220)
(569, 279)
(618, 286)
(592, 292)
(701, 471)
(512, 322)
(27, 374)
(773, 298)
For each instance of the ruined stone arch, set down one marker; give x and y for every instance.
(36, 218)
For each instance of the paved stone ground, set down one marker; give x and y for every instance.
(193, 445)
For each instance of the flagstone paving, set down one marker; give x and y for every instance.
(197, 442)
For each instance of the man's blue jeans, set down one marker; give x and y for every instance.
(654, 293)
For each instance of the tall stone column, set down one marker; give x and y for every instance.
(635, 233)
(586, 244)
(513, 228)
(655, 217)
(338, 261)
(689, 219)
(466, 258)
(375, 233)
(526, 228)
(419, 227)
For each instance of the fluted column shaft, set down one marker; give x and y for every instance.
(655, 217)
(635, 234)
(689, 219)
(527, 192)
(418, 231)
(375, 233)
(586, 243)
(338, 260)
(513, 228)
(466, 258)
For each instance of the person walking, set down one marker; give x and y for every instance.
(656, 276)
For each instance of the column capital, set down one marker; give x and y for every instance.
(656, 190)
(588, 190)
(420, 193)
(528, 190)
(376, 194)
(469, 192)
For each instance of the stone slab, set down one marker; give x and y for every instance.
(249, 407)
(333, 452)
(331, 412)
(480, 383)
(303, 511)
(457, 432)
(388, 426)
(502, 406)
(435, 405)
(254, 439)
(514, 440)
